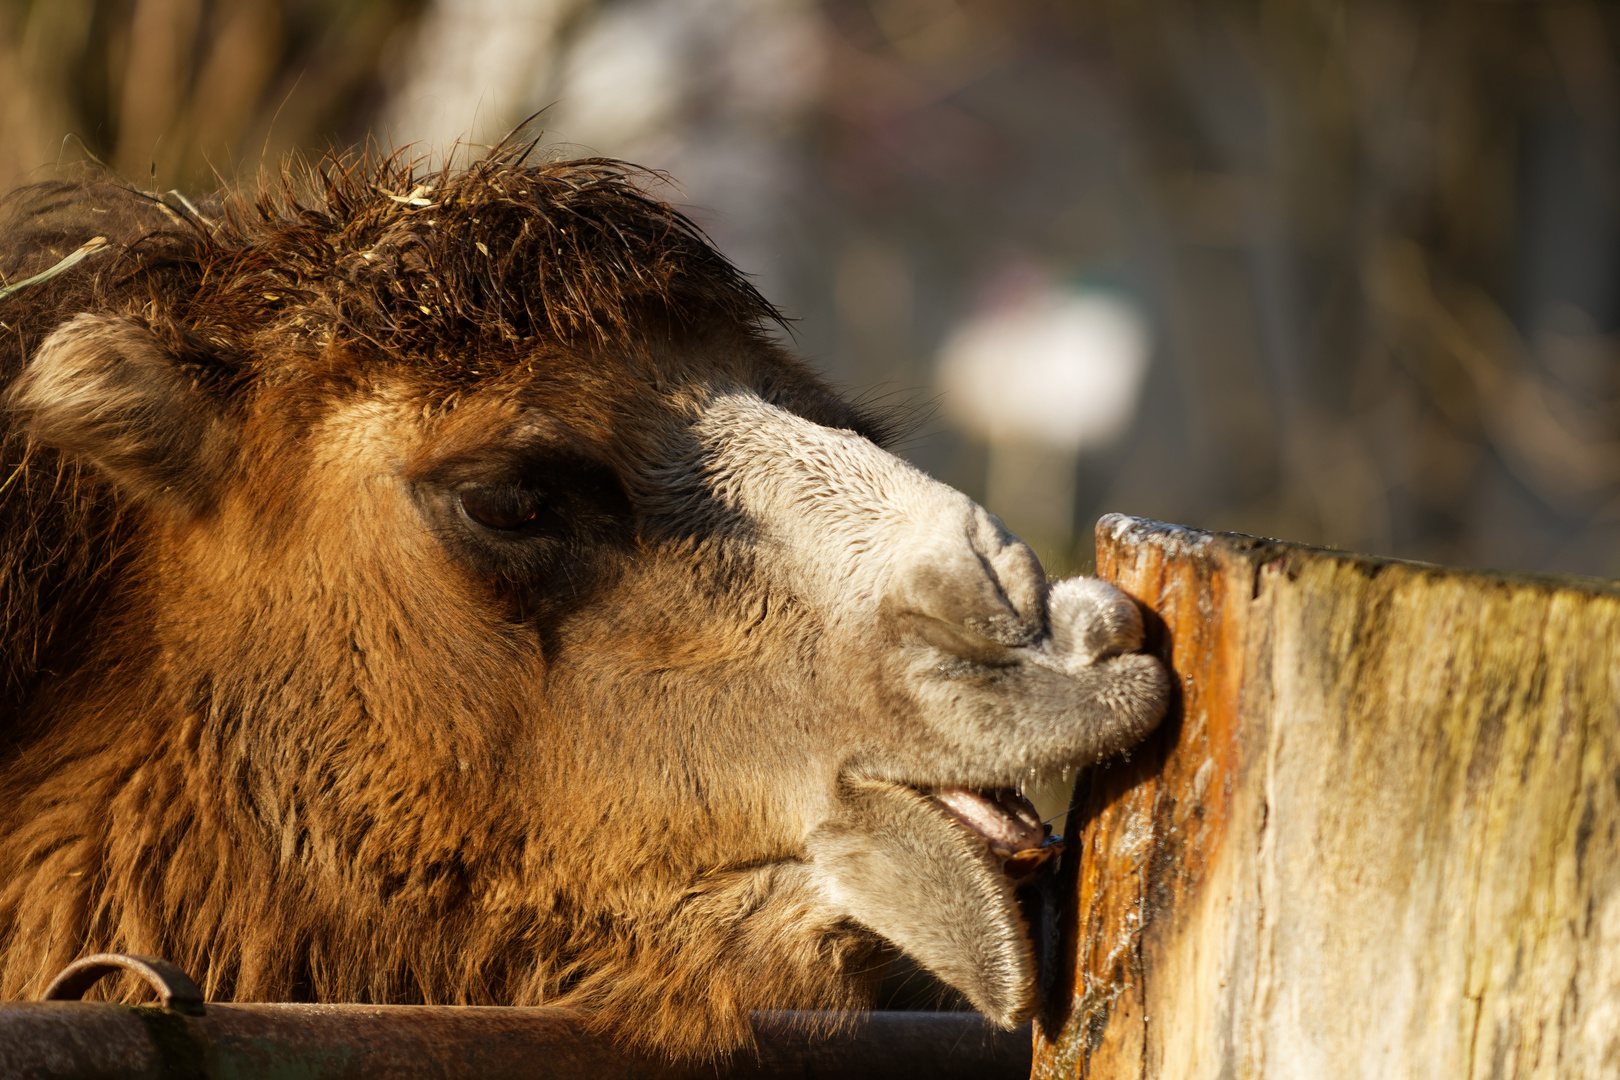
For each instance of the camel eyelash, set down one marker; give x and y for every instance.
(506, 509)
(513, 529)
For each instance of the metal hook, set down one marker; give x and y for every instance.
(175, 989)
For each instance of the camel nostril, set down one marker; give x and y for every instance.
(1005, 629)
(1019, 576)
(975, 595)
(957, 640)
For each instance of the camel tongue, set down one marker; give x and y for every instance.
(1002, 816)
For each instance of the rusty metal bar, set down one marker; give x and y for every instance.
(174, 987)
(83, 1040)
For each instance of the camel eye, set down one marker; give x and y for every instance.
(503, 509)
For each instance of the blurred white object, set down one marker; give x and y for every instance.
(1043, 374)
(1056, 367)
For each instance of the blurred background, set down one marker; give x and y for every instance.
(1346, 273)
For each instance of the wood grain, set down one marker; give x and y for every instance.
(1376, 836)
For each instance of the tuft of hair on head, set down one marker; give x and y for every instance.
(413, 262)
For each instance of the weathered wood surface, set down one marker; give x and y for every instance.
(1376, 837)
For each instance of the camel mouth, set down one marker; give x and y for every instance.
(944, 873)
(1007, 823)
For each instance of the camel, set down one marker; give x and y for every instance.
(443, 587)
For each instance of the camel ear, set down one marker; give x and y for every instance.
(104, 391)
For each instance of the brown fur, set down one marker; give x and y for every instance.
(258, 720)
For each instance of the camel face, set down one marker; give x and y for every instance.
(468, 602)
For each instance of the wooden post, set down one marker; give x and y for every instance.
(1376, 836)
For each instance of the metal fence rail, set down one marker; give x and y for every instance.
(83, 1040)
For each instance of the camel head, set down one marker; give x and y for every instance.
(459, 596)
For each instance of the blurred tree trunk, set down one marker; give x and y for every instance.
(183, 93)
(1376, 837)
